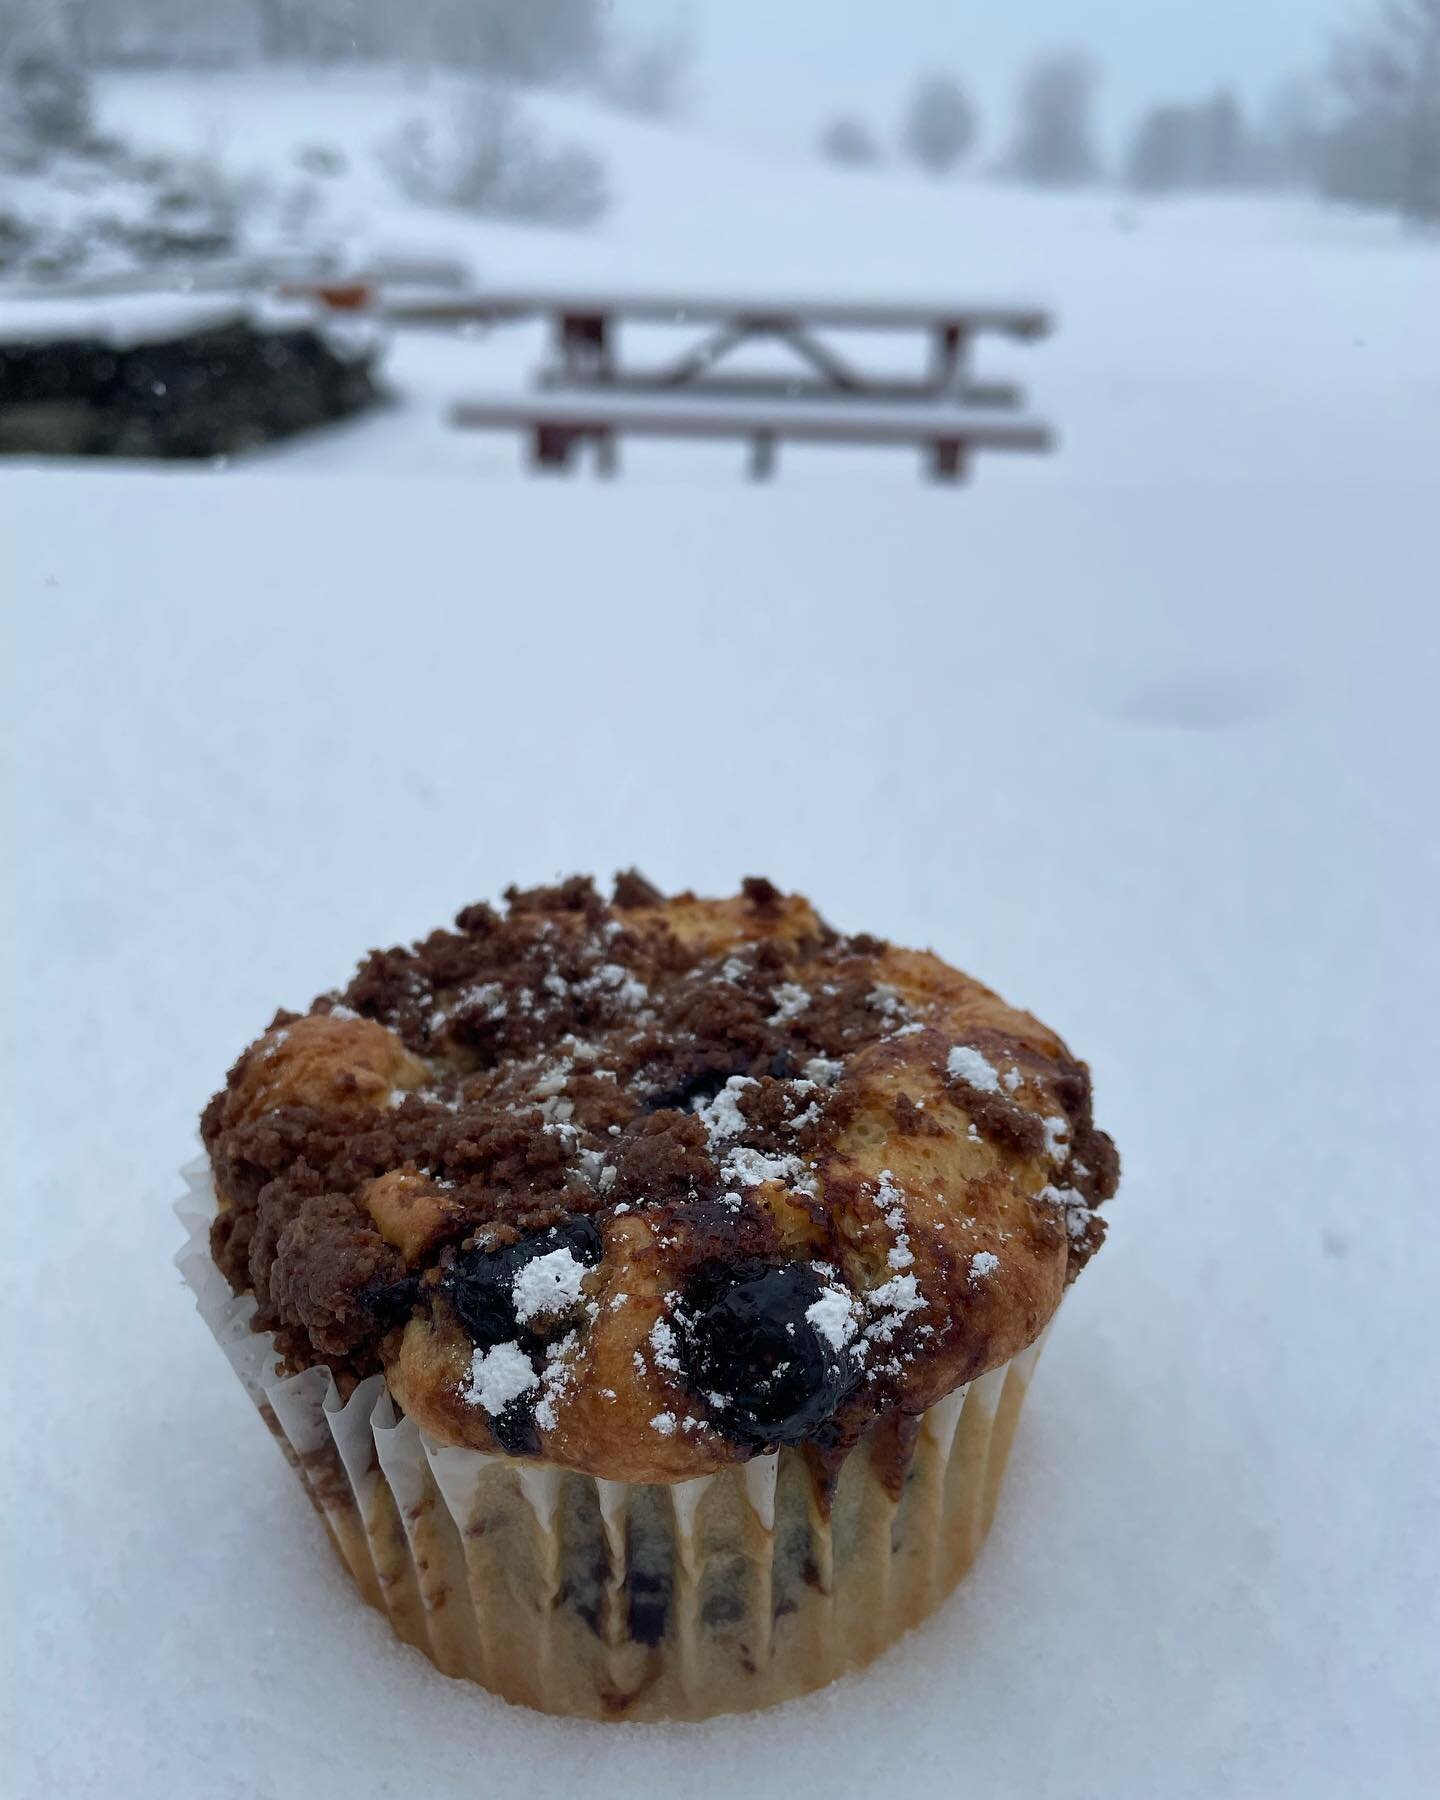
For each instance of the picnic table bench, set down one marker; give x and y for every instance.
(559, 424)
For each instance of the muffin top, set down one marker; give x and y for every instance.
(648, 1186)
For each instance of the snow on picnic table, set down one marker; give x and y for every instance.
(1157, 761)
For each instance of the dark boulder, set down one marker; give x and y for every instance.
(212, 392)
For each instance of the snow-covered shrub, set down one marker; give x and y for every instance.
(939, 125)
(78, 202)
(47, 102)
(112, 210)
(1384, 147)
(44, 110)
(648, 76)
(1193, 148)
(326, 160)
(16, 238)
(489, 160)
(849, 142)
(194, 211)
(1054, 143)
(537, 41)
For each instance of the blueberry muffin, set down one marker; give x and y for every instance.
(645, 1289)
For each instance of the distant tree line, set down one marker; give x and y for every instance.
(1053, 139)
(1383, 148)
(1365, 129)
(1208, 146)
(524, 41)
(1053, 142)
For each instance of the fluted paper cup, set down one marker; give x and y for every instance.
(611, 1600)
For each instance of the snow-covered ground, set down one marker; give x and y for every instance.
(1142, 733)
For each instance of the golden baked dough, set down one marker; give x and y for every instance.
(333, 1064)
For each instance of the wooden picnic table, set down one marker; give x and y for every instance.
(591, 395)
(585, 327)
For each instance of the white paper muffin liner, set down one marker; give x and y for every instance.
(605, 1599)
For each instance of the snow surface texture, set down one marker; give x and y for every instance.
(1141, 733)
(1162, 770)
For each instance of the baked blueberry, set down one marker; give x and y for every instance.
(769, 1375)
(481, 1283)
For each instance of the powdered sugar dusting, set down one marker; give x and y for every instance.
(722, 1117)
(965, 1063)
(663, 1347)
(887, 1001)
(790, 1001)
(893, 1301)
(891, 1201)
(833, 1316)
(807, 1117)
(498, 1376)
(751, 1167)
(616, 981)
(1072, 1206)
(547, 1285)
(560, 1366)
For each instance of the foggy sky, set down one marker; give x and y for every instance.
(770, 70)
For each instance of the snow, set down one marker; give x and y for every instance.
(126, 320)
(1193, 827)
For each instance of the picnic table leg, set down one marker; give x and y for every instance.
(551, 447)
(583, 346)
(607, 462)
(949, 459)
(948, 364)
(762, 456)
